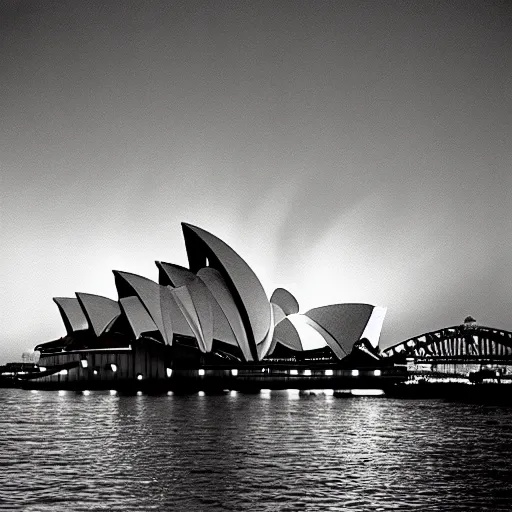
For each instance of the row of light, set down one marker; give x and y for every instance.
(87, 392)
(354, 373)
(265, 392)
(84, 363)
(234, 372)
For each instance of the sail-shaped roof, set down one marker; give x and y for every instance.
(174, 275)
(99, 311)
(72, 314)
(343, 323)
(219, 290)
(285, 300)
(152, 295)
(193, 300)
(138, 317)
(279, 314)
(286, 334)
(204, 249)
(264, 346)
(222, 330)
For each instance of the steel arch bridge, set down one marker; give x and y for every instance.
(460, 342)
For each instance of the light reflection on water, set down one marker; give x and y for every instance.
(273, 451)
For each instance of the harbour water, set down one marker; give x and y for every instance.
(272, 451)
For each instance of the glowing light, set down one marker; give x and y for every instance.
(95, 372)
(169, 372)
(294, 372)
(234, 373)
(201, 373)
(232, 392)
(200, 393)
(139, 393)
(113, 392)
(63, 372)
(367, 392)
(84, 363)
(113, 367)
(293, 393)
(170, 393)
(86, 392)
(265, 392)
(307, 372)
(328, 373)
(377, 373)
(355, 373)
(42, 368)
(263, 370)
(33, 391)
(139, 376)
(62, 392)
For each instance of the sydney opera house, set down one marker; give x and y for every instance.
(211, 323)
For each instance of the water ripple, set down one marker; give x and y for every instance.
(277, 452)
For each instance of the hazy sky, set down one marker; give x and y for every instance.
(350, 151)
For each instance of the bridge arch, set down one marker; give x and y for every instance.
(466, 341)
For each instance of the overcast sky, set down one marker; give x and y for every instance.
(349, 151)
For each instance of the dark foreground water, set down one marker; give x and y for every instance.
(271, 451)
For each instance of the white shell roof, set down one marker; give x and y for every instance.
(345, 323)
(196, 308)
(285, 300)
(72, 314)
(150, 294)
(139, 319)
(175, 274)
(100, 311)
(240, 279)
(216, 285)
